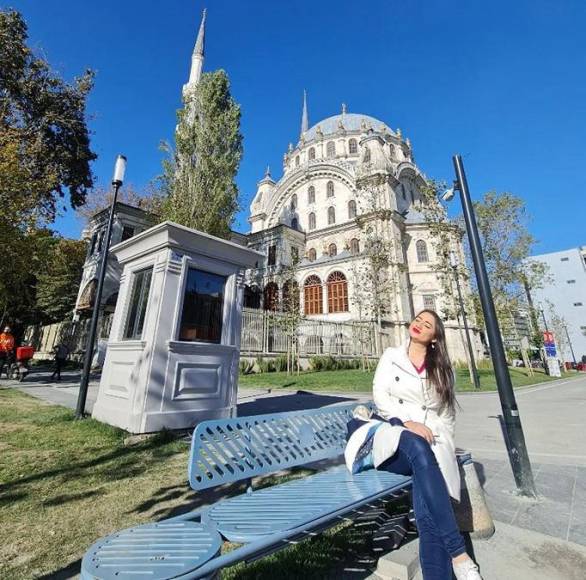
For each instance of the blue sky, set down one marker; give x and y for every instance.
(502, 83)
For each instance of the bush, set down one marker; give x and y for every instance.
(329, 363)
(281, 363)
(246, 367)
(265, 366)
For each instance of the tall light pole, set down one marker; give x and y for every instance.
(454, 264)
(117, 179)
(514, 437)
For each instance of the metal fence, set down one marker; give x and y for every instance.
(264, 333)
(73, 334)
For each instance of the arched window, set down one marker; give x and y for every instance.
(421, 248)
(403, 193)
(311, 194)
(252, 297)
(311, 254)
(392, 151)
(331, 149)
(294, 202)
(337, 292)
(311, 153)
(330, 188)
(355, 246)
(331, 215)
(366, 157)
(351, 209)
(313, 296)
(291, 296)
(312, 221)
(352, 147)
(332, 250)
(297, 161)
(295, 223)
(271, 296)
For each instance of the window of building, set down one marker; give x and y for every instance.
(403, 192)
(252, 297)
(392, 150)
(293, 202)
(93, 243)
(412, 195)
(311, 153)
(203, 306)
(101, 235)
(311, 221)
(571, 281)
(311, 194)
(141, 284)
(311, 254)
(297, 161)
(331, 149)
(565, 259)
(331, 215)
(271, 297)
(352, 147)
(272, 255)
(294, 254)
(127, 232)
(366, 157)
(429, 302)
(332, 250)
(577, 303)
(354, 246)
(421, 248)
(313, 295)
(351, 209)
(583, 329)
(337, 292)
(295, 223)
(330, 189)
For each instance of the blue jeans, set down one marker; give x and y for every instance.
(439, 537)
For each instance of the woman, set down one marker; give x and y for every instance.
(414, 390)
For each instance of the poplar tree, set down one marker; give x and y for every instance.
(199, 175)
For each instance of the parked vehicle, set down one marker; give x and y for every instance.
(20, 367)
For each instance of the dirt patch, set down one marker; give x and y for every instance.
(569, 563)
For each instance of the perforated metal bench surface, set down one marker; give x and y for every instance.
(230, 450)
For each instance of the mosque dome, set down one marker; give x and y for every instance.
(350, 122)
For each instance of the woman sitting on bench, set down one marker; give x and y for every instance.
(414, 391)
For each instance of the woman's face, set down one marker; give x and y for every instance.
(422, 329)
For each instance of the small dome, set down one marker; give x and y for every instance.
(350, 121)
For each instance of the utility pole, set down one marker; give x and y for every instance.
(514, 439)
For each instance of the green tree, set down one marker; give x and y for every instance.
(45, 157)
(199, 176)
(43, 129)
(58, 283)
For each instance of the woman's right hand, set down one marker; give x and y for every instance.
(420, 429)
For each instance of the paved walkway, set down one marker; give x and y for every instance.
(553, 420)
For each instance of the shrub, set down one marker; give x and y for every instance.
(246, 367)
(265, 366)
(281, 363)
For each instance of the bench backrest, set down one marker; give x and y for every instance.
(228, 450)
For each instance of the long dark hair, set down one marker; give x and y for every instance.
(438, 365)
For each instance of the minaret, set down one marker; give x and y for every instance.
(197, 56)
(304, 116)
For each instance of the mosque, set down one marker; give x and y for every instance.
(345, 171)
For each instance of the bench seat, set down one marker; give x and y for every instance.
(272, 510)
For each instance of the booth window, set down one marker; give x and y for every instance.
(201, 319)
(127, 233)
(141, 283)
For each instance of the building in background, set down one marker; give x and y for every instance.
(566, 294)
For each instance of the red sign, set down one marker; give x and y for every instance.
(548, 338)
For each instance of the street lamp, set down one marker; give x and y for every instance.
(514, 437)
(117, 179)
(571, 347)
(454, 264)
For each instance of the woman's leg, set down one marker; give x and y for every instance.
(430, 494)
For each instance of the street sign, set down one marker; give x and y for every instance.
(548, 339)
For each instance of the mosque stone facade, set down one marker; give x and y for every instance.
(313, 211)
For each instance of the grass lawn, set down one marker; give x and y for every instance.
(359, 381)
(65, 483)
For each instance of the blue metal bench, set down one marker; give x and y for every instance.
(263, 521)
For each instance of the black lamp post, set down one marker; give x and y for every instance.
(454, 264)
(514, 437)
(117, 179)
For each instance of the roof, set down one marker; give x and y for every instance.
(350, 121)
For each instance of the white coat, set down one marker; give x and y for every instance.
(400, 391)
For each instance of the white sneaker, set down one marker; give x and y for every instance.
(466, 570)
